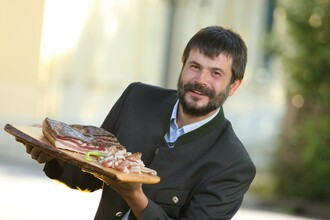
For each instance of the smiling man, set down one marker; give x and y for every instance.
(183, 135)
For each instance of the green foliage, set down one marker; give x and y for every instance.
(306, 54)
(304, 165)
(314, 134)
(303, 161)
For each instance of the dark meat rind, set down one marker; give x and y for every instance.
(90, 135)
(99, 135)
(61, 130)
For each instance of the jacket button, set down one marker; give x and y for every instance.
(119, 214)
(156, 151)
(175, 199)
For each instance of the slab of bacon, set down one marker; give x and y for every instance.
(94, 141)
(77, 138)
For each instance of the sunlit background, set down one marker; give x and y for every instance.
(70, 60)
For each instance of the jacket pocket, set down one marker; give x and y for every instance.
(176, 197)
(172, 200)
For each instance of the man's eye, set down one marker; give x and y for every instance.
(216, 74)
(194, 67)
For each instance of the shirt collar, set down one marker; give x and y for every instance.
(193, 126)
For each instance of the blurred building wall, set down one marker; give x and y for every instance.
(20, 36)
(70, 60)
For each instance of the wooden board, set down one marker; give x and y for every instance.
(33, 135)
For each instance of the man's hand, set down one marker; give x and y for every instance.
(131, 192)
(36, 154)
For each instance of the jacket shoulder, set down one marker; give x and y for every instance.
(140, 91)
(147, 87)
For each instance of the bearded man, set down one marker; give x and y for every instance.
(183, 135)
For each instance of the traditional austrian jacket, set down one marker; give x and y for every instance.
(205, 175)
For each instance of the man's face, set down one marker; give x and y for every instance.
(204, 83)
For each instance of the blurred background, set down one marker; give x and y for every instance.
(71, 60)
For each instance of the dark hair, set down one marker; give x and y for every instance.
(214, 40)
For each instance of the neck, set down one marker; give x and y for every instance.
(185, 119)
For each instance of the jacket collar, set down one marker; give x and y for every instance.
(201, 131)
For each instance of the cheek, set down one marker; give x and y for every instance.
(186, 76)
(217, 87)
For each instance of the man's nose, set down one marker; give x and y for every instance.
(201, 77)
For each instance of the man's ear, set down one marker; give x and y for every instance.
(234, 86)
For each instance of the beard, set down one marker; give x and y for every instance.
(215, 100)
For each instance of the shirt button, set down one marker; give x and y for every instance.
(119, 214)
(175, 199)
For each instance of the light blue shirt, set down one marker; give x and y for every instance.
(125, 217)
(175, 132)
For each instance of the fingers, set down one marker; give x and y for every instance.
(37, 154)
(19, 140)
(28, 148)
(43, 158)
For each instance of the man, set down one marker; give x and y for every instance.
(204, 168)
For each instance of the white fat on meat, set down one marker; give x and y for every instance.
(121, 160)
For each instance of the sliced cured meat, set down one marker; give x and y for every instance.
(113, 157)
(77, 138)
(125, 162)
(96, 142)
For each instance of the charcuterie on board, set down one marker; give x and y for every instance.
(93, 158)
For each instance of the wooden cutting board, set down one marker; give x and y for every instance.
(33, 135)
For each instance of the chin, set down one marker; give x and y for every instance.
(197, 105)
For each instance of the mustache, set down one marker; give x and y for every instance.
(199, 88)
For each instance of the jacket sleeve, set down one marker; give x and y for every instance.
(218, 198)
(72, 176)
(110, 121)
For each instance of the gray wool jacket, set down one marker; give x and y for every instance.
(205, 175)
